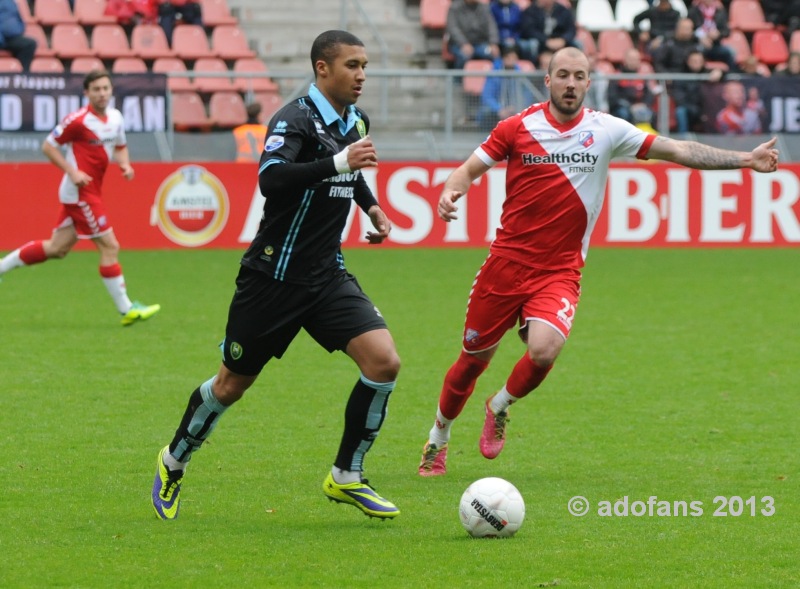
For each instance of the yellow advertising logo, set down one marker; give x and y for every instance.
(191, 207)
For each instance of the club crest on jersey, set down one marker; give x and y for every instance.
(472, 336)
(361, 127)
(586, 138)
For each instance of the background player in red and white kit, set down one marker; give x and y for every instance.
(90, 138)
(558, 155)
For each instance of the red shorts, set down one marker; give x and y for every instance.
(506, 292)
(87, 216)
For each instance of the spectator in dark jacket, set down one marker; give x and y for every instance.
(783, 13)
(623, 95)
(711, 26)
(687, 95)
(507, 14)
(12, 37)
(472, 32)
(663, 18)
(546, 24)
(672, 54)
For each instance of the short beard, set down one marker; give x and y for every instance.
(564, 110)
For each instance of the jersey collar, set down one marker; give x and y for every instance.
(329, 115)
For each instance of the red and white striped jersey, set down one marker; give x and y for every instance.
(555, 181)
(90, 139)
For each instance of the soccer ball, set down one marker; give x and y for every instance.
(491, 508)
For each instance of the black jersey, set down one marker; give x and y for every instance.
(307, 200)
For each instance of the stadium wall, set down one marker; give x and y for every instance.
(218, 205)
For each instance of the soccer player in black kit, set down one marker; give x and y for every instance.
(293, 277)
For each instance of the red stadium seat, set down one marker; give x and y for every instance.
(747, 16)
(433, 14)
(92, 12)
(149, 42)
(270, 103)
(10, 65)
(36, 31)
(47, 65)
(739, 43)
(227, 109)
(526, 65)
(189, 112)
(110, 42)
(770, 47)
(217, 12)
(613, 44)
(69, 41)
(165, 65)
(794, 41)
(229, 43)
(53, 12)
(25, 12)
(263, 83)
(587, 40)
(129, 65)
(191, 42)
(211, 84)
(474, 84)
(83, 65)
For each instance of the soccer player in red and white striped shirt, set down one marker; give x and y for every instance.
(558, 153)
(90, 137)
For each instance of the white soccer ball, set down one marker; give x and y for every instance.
(491, 508)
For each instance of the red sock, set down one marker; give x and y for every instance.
(32, 253)
(459, 384)
(111, 271)
(525, 377)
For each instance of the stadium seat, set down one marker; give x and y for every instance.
(149, 42)
(189, 112)
(47, 65)
(53, 12)
(129, 65)
(526, 65)
(216, 13)
(270, 103)
(602, 66)
(433, 14)
(612, 45)
(739, 43)
(166, 65)
(595, 15)
(229, 43)
(10, 65)
(109, 41)
(586, 39)
(262, 83)
(36, 31)
(747, 16)
(794, 41)
(211, 84)
(473, 85)
(227, 109)
(770, 47)
(69, 41)
(191, 42)
(626, 10)
(92, 12)
(25, 12)
(83, 65)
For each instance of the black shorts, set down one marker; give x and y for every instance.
(266, 314)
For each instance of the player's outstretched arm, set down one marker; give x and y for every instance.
(457, 185)
(692, 154)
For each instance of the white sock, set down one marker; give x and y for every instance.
(10, 262)
(440, 432)
(345, 477)
(116, 288)
(172, 464)
(501, 401)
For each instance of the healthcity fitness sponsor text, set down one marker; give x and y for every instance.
(720, 506)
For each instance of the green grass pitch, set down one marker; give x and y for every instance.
(680, 381)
